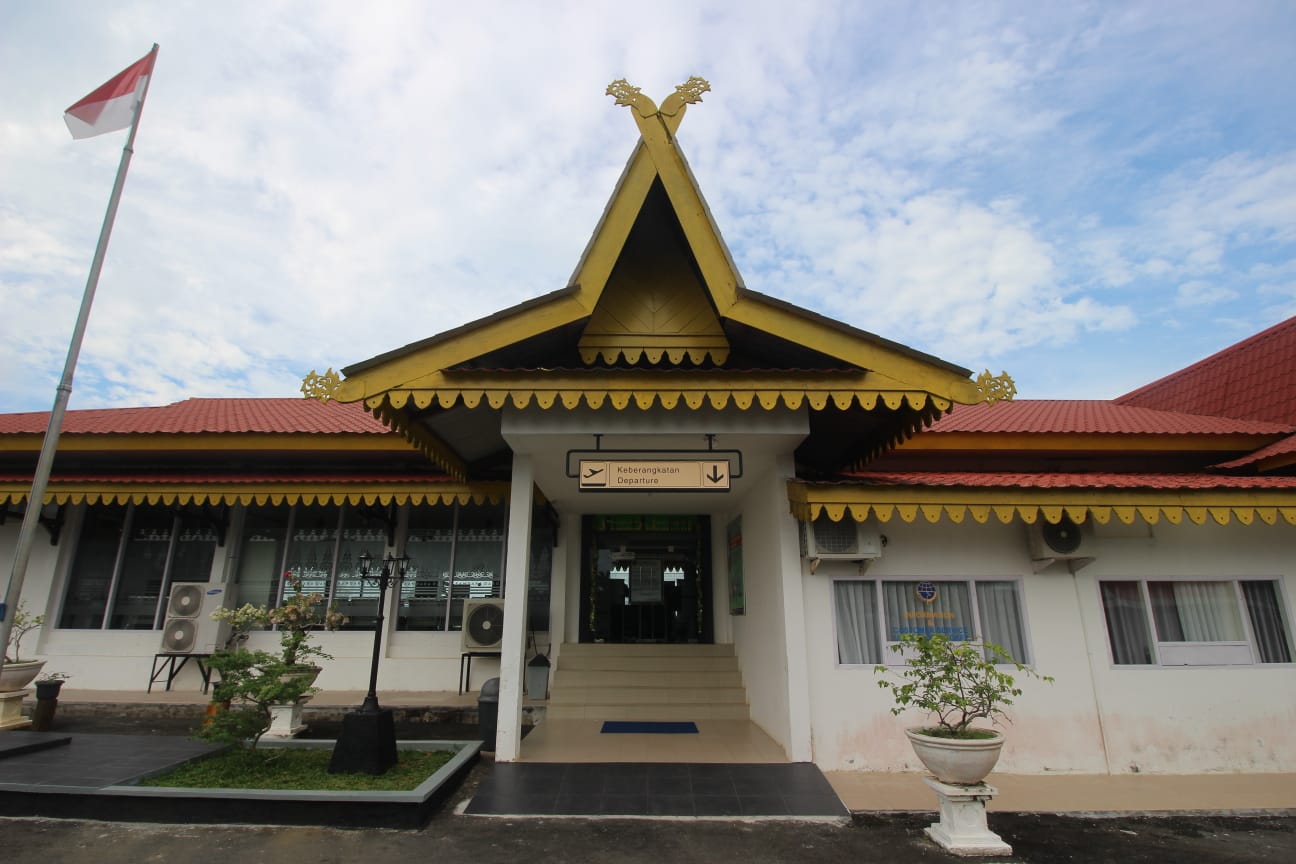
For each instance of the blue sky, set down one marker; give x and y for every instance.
(1087, 195)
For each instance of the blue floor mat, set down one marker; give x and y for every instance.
(657, 727)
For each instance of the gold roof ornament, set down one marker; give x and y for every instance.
(322, 387)
(996, 388)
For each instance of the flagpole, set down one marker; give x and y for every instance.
(45, 464)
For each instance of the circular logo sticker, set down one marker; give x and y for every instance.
(926, 591)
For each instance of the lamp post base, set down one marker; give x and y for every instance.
(366, 744)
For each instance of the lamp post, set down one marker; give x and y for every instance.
(367, 742)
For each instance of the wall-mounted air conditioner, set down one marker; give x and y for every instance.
(846, 540)
(483, 623)
(188, 627)
(1061, 541)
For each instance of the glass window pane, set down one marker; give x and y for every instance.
(195, 549)
(1196, 612)
(364, 531)
(1265, 613)
(1127, 626)
(424, 594)
(928, 608)
(855, 610)
(265, 529)
(478, 558)
(313, 546)
(92, 569)
(148, 546)
(1001, 618)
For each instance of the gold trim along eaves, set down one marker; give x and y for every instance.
(808, 503)
(260, 493)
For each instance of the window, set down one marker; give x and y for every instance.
(322, 545)
(1195, 623)
(455, 553)
(872, 615)
(126, 559)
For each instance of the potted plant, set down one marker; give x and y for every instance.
(19, 671)
(958, 683)
(296, 617)
(49, 685)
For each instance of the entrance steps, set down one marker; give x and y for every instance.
(645, 681)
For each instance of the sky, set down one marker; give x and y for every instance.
(1085, 195)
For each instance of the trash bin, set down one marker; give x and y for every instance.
(488, 713)
(537, 677)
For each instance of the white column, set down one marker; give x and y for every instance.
(800, 748)
(513, 645)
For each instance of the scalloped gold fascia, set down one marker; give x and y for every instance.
(436, 450)
(267, 493)
(645, 398)
(838, 502)
(611, 354)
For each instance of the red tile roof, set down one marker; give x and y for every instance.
(1282, 448)
(1095, 480)
(199, 478)
(1254, 379)
(1041, 416)
(273, 416)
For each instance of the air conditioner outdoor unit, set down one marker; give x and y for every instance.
(483, 623)
(189, 628)
(847, 540)
(1064, 540)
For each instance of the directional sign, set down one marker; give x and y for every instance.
(651, 475)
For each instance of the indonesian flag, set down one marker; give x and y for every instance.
(112, 106)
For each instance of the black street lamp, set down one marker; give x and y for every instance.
(367, 742)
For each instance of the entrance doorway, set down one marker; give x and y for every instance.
(646, 579)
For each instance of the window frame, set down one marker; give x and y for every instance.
(896, 659)
(1199, 654)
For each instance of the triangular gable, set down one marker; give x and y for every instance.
(597, 298)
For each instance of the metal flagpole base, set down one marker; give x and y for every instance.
(366, 744)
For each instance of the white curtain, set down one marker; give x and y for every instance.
(1127, 625)
(855, 608)
(1001, 618)
(1196, 612)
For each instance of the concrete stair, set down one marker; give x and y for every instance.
(647, 682)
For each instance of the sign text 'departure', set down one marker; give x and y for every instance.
(651, 474)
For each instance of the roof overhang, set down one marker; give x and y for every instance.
(1221, 503)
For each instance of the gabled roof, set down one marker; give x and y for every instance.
(656, 293)
(1254, 379)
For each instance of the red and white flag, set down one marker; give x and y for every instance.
(112, 106)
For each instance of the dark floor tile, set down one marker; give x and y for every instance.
(716, 805)
(618, 783)
(711, 783)
(626, 805)
(578, 805)
(763, 805)
(670, 805)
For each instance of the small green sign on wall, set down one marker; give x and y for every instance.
(737, 595)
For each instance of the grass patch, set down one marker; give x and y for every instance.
(292, 768)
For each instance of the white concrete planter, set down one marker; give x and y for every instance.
(16, 676)
(957, 761)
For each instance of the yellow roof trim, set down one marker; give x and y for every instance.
(1030, 505)
(436, 450)
(260, 493)
(657, 155)
(567, 393)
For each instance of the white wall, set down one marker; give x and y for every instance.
(1094, 718)
(769, 637)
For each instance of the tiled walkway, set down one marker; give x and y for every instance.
(651, 790)
(90, 762)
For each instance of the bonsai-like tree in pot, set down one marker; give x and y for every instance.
(958, 683)
(19, 670)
